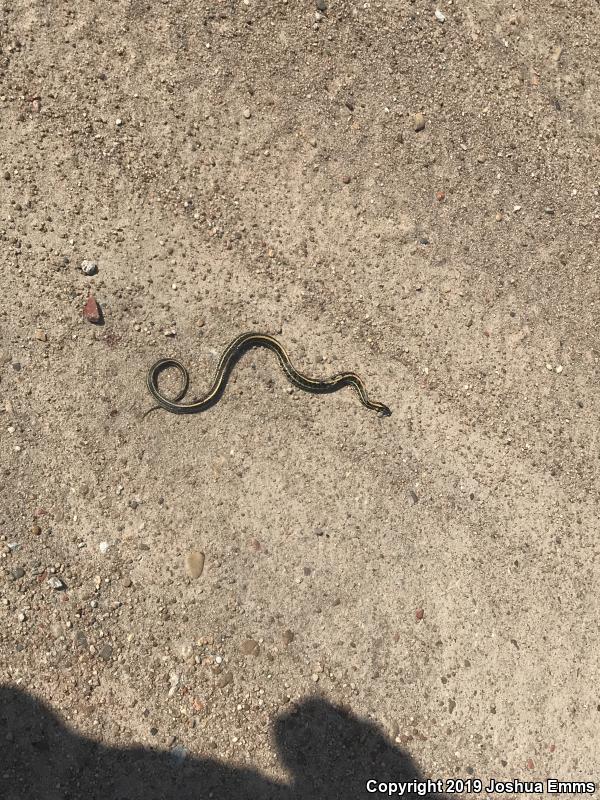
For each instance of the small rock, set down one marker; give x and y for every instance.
(346, 179)
(440, 16)
(103, 547)
(40, 335)
(194, 564)
(92, 311)
(224, 679)
(451, 705)
(178, 754)
(419, 614)
(350, 103)
(89, 267)
(105, 652)
(321, 5)
(247, 113)
(56, 583)
(530, 764)
(419, 122)
(413, 496)
(18, 573)
(287, 637)
(35, 529)
(440, 196)
(250, 647)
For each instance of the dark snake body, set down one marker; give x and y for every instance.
(238, 346)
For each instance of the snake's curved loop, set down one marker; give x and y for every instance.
(230, 356)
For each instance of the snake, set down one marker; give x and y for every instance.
(231, 354)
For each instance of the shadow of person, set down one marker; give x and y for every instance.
(328, 752)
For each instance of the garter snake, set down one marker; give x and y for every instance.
(230, 356)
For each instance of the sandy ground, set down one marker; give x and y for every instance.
(422, 587)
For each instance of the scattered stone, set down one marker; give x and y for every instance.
(451, 705)
(350, 103)
(321, 5)
(40, 335)
(440, 16)
(419, 122)
(92, 311)
(89, 267)
(56, 583)
(250, 647)
(35, 529)
(178, 754)
(194, 564)
(127, 583)
(247, 113)
(287, 637)
(530, 764)
(420, 613)
(103, 547)
(105, 652)
(224, 679)
(18, 573)
(413, 496)
(440, 196)
(346, 179)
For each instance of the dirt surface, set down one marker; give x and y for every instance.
(428, 581)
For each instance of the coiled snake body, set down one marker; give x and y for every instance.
(230, 356)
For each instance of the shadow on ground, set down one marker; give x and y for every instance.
(329, 754)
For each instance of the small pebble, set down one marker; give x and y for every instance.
(247, 113)
(346, 179)
(420, 613)
(440, 196)
(89, 267)
(321, 5)
(194, 564)
(287, 637)
(250, 647)
(419, 122)
(40, 335)
(91, 311)
(105, 652)
(18, 573)
(55, 583)
(440, 16)
(35, 529)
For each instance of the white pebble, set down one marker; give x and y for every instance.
(89, 267)
(439, 16)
